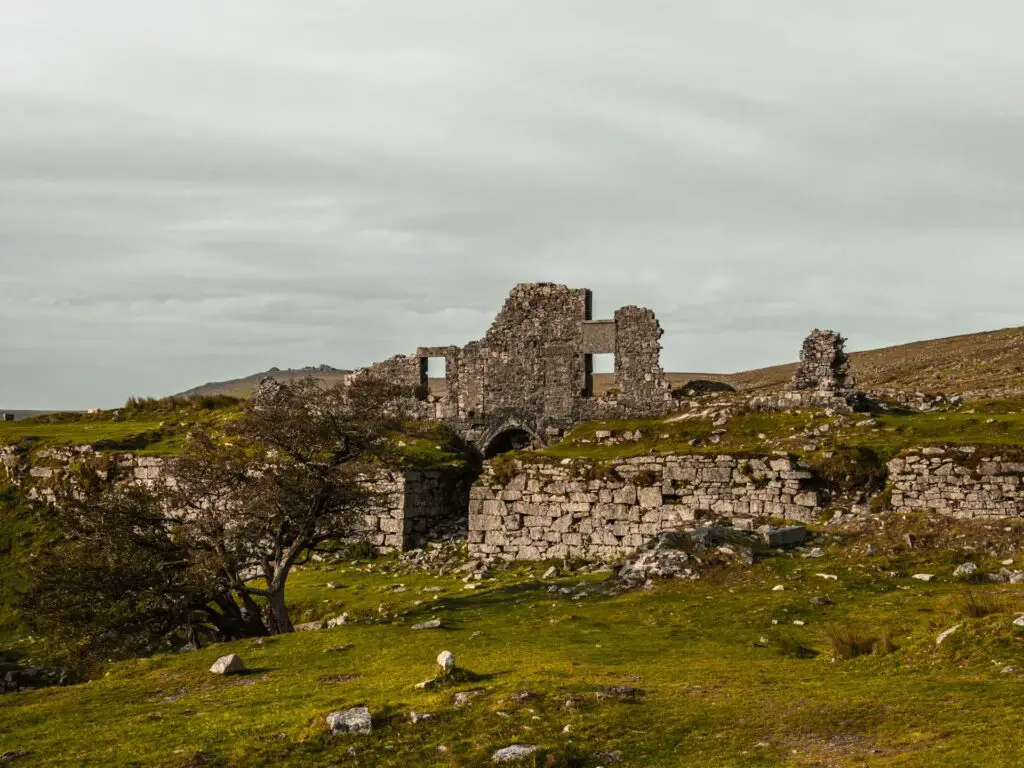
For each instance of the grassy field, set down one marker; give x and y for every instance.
(987, 422)
(727, 677)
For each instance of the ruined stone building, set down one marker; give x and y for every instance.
(530, 378)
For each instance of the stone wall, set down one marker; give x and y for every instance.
(574, 510)
(959, 481)
(412, 508)
(532, 371)
(416, 506)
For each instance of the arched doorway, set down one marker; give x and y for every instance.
(511, 439)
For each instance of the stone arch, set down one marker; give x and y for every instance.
(508, 436)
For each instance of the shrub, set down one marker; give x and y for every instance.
(853, 469)
(793, 648)
(977, 606)
(848, 642)
(504, 469)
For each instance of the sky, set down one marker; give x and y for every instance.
(196, 190)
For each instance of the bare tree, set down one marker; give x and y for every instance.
(288, 474)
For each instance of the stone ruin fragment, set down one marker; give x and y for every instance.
(823, 379)
(824, 364)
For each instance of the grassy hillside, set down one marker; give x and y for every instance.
(990, 362)
(728, 670)
(246, 386)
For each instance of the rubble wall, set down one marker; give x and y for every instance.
(412, 506)
(535, 511)
(959, 481)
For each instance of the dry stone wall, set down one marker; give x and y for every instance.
(561, 510)
(411, 507)
(959, 481)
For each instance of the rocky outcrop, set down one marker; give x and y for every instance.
(536, 511)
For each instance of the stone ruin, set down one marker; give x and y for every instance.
(824, 364)
(822, 380)
(531, 378)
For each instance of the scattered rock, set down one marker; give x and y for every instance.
(923, 576)
(816, 552)
(8, 757)
(787, 536)
(820, 601)
(1009, 669)
(513, 753)
(622, 692)
(827, 576)
(463, 698)
(355, 720)
(965, 571)
(432, 624)
(1019, 621)
(446, 661)
(338, 622)
(550, 573)
(228, 665)
(419, 717)
(779, 588)
(339, 678)
(607, 758)
(942, 636)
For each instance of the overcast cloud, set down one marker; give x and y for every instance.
(194, 190)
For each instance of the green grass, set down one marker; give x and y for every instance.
(993, 422)
(715, 694)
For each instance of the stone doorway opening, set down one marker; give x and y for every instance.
(510, 440)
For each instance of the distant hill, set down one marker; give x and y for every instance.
(246, 386)
(980, 363)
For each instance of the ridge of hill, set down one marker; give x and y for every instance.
(989, 363)
(246, 385)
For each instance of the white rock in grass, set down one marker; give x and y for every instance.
(939, 640)
(1019, 621)
(432, 624)
(355, 720)
(446, 661)
(513, 753)
(965, 571)
(923, 576)
(228, 665)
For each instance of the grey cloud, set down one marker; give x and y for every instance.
(192, 191)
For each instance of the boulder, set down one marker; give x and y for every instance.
(966, 572)
(228, 665)
(356, 720)
(446, 661)
(786, 536)
(513, 753)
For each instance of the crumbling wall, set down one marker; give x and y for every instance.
(824, 364)
(538, 511)
(822, 380)
(641, 381)
(532, 369)
(959, 481)
(410, 507)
